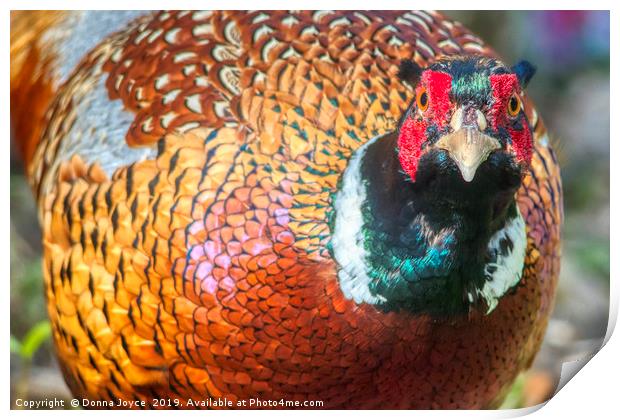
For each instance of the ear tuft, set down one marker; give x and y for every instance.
(409, 72)
(524, 71)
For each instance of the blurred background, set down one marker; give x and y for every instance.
(571, 90)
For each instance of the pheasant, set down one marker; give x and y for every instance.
(356, 208)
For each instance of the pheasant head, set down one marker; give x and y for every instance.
(433, 203)
(469, 109)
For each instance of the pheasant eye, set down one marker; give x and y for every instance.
(514, 106)
(422, 99)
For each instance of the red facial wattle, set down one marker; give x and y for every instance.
(438, 85)
(413, 131)
(410, 139)
(503, 86)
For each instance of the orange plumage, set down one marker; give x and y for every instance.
(186, 230)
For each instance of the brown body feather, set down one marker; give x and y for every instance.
(32, 87)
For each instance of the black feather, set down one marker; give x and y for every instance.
(409, 72)
(524, 71)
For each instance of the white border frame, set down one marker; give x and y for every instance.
(592, 393)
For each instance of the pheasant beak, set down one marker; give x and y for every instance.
(467, 145)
